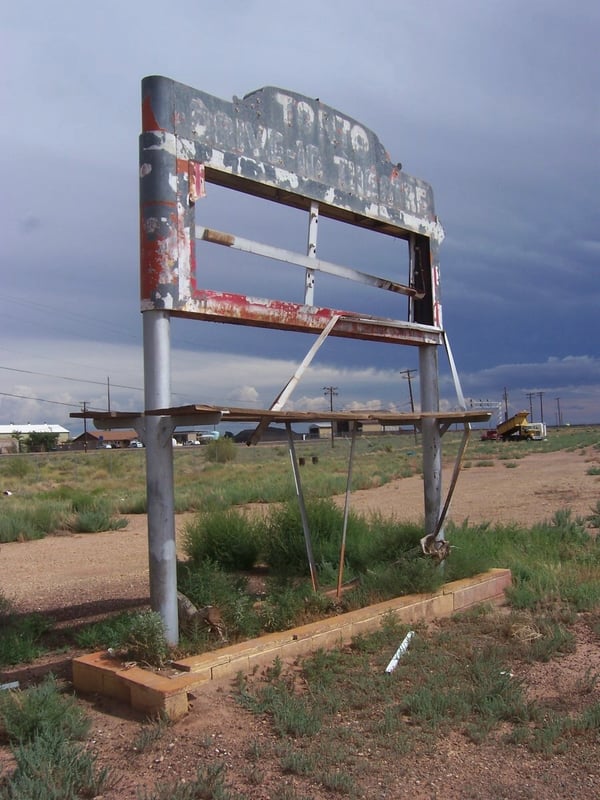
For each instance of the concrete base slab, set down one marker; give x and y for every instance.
(154, 693)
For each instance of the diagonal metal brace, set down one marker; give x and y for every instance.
(285, 393)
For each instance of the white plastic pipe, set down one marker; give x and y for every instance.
(400, 652)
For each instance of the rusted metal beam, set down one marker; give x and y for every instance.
(239, 309)
(308, 262)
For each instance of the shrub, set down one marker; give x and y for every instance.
(220, 451)
(284, 543)
(226, 537)
(207, 584)
(145, 640)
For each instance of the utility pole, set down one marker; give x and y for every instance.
(558, 413)
(85, 441)
(540, 395)
(332, 392)
(407, 375)
(108, 395)
(530, 396)
(505, 404)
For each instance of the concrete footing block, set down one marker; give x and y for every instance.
(152, 692)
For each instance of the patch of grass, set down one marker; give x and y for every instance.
(44, 727)
(593, 471)
(209, 784)
(16, 466)
(24, 521)
(21, 637)
(52, 767)
(96, 520)
(284, 544)
(150, 733)
(41, 709)
(106, 634)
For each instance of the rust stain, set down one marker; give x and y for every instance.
(158, 256)
(218, 237)
(149, 122)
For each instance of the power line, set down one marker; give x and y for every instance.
(67, 378)
(40, 400)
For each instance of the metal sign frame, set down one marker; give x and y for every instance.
(281, 146)
(296, 151)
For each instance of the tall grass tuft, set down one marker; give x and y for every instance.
(52, 767)
(24, 522)
(226, 537)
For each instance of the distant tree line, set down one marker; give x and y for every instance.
(36, 442)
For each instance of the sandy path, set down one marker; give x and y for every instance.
(92, 570)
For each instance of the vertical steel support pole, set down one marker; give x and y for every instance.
(311, 251)
(164, 188)
(431, 437)
(160, 490)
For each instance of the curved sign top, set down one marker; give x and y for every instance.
(278, 139)
(293, 150)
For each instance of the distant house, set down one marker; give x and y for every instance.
(342, 427)
(96, 439)
(271, 434)
(320, 430)
(9, 442)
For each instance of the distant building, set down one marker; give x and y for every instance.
(9, 442)
(97, 439)
(271, 434)
(320, 430)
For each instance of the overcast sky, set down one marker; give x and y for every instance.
(494, 102)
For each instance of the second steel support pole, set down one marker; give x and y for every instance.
(431, 438)
(159, 472)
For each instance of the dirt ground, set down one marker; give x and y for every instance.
(80, 575)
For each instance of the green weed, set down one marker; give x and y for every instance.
(145, 640)
(41, 709)
(150, 733)
(52, 767)
(208, 784)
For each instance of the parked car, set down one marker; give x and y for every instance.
(135, 443)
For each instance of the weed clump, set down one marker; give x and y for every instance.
(145, 640)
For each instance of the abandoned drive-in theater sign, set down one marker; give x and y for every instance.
(293, 150)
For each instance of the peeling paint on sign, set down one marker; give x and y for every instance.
(271, 140)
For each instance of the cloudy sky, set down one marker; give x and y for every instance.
(494, 102)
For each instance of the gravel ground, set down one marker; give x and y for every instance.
(79, 576)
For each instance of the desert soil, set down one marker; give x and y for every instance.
(77, 576)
